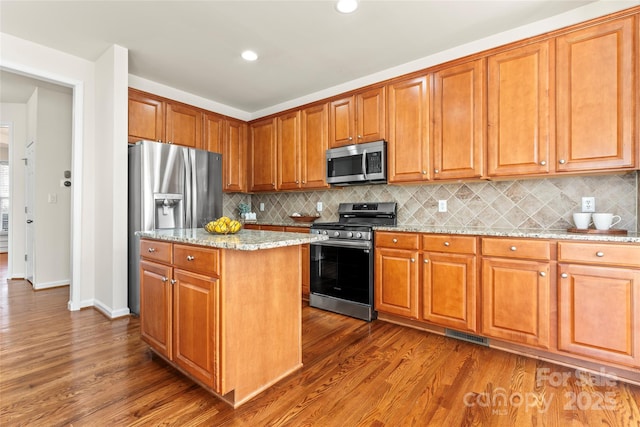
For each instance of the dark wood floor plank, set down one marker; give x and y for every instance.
(60, 368)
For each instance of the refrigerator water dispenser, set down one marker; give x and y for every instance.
(169, 211)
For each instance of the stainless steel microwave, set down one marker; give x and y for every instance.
(357, 164)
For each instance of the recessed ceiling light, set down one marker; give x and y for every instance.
(249, 55)
(346, 6)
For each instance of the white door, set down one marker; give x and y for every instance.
(30, 166)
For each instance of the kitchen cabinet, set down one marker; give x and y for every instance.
(408, 158)
(596, 97)
(516, 290)
(314, 142)
(234, 156)
(213, 132)
(203, 313)
(305, 261)
(154, 118)
(396, 274)
(358, 118)
(289, 151)
(459, 121)
(599, 301)
(263, 156)
(519, 111)
(146, 117)
(449, 282)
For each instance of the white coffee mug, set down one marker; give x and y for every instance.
(582, 220)
(604, 221)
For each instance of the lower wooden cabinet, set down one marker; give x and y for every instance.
(156, 306)
(599, 301)
(515, 301)
(396, 282)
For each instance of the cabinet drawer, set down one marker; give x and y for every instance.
(447, 243)
(517, 248)
(599, 253)
(195, 258)
(155, 250)
(397, 240)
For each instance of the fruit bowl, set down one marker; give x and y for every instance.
(223, 225)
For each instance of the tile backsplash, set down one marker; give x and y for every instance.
(546, 203)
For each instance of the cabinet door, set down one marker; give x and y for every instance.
(449, 290)
(156, 307)
(146, 117)
(183, 125)
(234, 156)
(370, 115)
(314, 143)
(458, 117)
(288, 140)
(599, 313)
(596, 89)
(515, 301)
(213, 132)
(519, 112)
(196, 322)
(342, 122)
(408, 145)
(396, 282)
(305, 260)
(262, 168)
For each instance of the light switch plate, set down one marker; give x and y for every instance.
(442, 205)
(319, 206)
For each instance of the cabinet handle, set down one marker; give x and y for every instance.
(564, 275)
(169, 142)
(543, 274)
(562, 161)
(426, 261)
(173, 281)
(543, 162)
(395, 240)
(304, 182)
(350, 138)
(600, 254)
(190, 258)
(513, 248)
(164, 279)
(446, 243)
(297, 182)
(359, 136)
(436, 171)
(151, 250)
(413, 260)
(424, 172)
(273, 184)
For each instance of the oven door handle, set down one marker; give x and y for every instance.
(365, 245)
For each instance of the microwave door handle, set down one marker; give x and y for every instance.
(364, 163)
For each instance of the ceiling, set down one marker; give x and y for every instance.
(305, 46)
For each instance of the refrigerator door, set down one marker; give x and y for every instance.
(203, 189)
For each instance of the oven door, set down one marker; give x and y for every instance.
(343, 269)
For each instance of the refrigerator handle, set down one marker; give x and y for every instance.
(188, 188)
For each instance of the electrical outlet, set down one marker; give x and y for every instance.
(319, 206)
(261, 207)
(588, 204)
(442, 205)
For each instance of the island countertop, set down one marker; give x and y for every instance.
(243, 240)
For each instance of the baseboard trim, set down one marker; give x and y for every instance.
(109, 312)
(49, 285)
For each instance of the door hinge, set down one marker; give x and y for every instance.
(25, 257)
(26, 210)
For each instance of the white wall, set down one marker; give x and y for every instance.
(52, 121)
(16, 116)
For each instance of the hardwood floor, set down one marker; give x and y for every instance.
(61, 368)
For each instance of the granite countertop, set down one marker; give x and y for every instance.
(243, 240)
(631, 237)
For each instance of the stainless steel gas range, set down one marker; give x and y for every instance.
(342, 267)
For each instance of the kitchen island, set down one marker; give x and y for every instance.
(224, 309)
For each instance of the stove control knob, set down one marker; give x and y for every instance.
(349, 234)
(359, 235)
(336, 233)
(324, 232)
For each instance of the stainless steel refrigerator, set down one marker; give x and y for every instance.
(169, 187)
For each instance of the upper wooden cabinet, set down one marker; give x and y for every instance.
(314, 142)
(146, 117)
(288, 141)
(262, 156)
(234, 156)
(458, 121)
(213, 132)
(156, 119)
(596, 87)
(519, 139)
(357, 118)
(408, 140)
